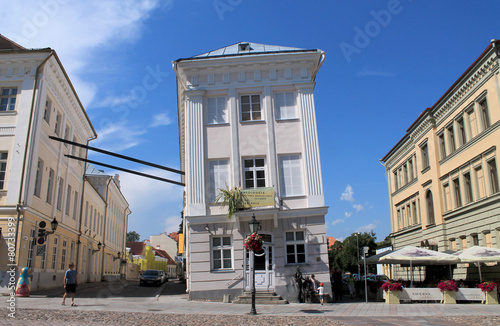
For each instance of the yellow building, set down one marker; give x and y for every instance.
(443, 174)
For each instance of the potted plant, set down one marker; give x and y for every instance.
(490, 292)
(449, 289)
(253, 243)
(233, 198)
(392, 291)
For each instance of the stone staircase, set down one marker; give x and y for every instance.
(261, 298)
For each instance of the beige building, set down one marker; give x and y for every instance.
(38, 183)
(443, 174)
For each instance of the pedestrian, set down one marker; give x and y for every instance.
(314, 283)
(321, 290)
(350, 284)
(70, 283)
(337, 284)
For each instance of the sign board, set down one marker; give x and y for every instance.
(40, 250)
(473, 294)
(178, 259)
(434, 294)
(259, 197)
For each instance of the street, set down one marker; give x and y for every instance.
(127, 303)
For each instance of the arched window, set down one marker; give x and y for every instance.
(430, 208)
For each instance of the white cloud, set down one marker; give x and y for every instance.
(337, 221)
(368, 227)
(119, 136)
(75, 29)
(348, 214)
(358, 207)
(348, 194)
(161, 119)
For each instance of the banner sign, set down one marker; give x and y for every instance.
(259, 197)
(434, 294)
(473, 294)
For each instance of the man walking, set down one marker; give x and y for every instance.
(70, 284)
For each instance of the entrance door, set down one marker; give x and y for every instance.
(264, 272)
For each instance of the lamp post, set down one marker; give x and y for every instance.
(254, 227)
(357, 247)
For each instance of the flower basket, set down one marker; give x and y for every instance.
(448, 285)
(490, 292)
(253, 242)
(392, 292)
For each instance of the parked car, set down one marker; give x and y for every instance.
(151, 276)
(381, 277)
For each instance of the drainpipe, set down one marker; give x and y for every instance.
(105, 228)
(20, 203)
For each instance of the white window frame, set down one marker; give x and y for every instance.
(60, 192)
(285, 104)
(3, 168)
(291, 179)
(218, 177)
(46, 112)
(217, 112)
(254, 169)
(252, 103)
(218, 252)
(55, 249)
(50, 186)
(295, 243)
(8, 97)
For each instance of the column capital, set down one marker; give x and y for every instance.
(194, 94)
(305, 87)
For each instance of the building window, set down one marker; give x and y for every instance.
(38, 178)
(468, 188)
(250, 108)
(447, 197)
(291, 175)
(462, 136)
(456, 192)
(430, 208)
(54, 252)
(492, 169)
(425, 156)
(86, 213)
(472, 122)
(8, 99)
(3, 168)
(414, 212)
(451, 138)
(485, 116)
(63, 255)
(442, 146)
(400, 223)
(218, 177)
(46, 112)
(396, 183)
(75, 205)
(405, 174)
(60, 194)
(72, 252)
(217, 110)
(475, 239)
(295, 247)
(32, 243)
(255, 173)
(410, 169)
(50, 186)
(57, 126)
(286, 106)
(68, 200)
(222, 253)
(66, 135)
(480, 189)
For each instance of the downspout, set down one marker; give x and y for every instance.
(126, 212)
(20, 203)
(105, 227)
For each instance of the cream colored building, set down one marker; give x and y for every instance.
(247, 119)
(443, 174)
(37, 182)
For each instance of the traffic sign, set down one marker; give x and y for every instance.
(40, 250)
(41, 241)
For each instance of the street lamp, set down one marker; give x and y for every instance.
(99, 246)
(357, 247)
(53, 225)
(254, 227)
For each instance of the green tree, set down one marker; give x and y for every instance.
(133, 236)
(345, 255)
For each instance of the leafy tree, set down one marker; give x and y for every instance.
(345, 255)
(133, 236)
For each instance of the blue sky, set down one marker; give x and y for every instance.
(386, 61)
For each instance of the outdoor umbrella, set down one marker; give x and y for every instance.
(419, 256)
(478, 255)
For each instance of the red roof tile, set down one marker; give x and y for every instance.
(136, 248)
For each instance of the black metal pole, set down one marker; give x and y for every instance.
(253, 311)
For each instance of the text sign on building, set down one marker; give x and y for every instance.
(259, 197)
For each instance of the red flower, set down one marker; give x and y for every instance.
(449, 285)
(487, 286)
(253, 242)
(392, 286)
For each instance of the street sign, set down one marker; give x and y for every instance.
(40, 250)
(41, 241)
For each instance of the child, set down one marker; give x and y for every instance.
(320, 292)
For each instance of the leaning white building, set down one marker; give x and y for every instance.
(247, 118)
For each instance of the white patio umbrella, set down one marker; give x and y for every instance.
(478, 255)
(419, 256)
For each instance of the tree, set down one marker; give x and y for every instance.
(133, 236)
(345, 255)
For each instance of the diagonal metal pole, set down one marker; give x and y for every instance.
(117, 155)
(126, 170)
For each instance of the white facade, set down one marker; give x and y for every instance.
(247, 119)
(164, 242)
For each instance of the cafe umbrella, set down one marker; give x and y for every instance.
(478, 255)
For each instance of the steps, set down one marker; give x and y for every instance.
(260, 298)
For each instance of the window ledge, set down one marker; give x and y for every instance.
(288, 120)
(219, 271)
(426, 169)
(8, 112)
(217, 124)
(249, 122)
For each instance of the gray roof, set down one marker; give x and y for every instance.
(247, 48)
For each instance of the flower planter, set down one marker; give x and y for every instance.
(491, 297)
(449, 297)
(392, 297)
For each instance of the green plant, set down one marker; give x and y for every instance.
(233, 198)
(487, 286)
(448, 285)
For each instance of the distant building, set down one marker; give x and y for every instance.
(40, 185)
(443, 174)
(247, 119)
